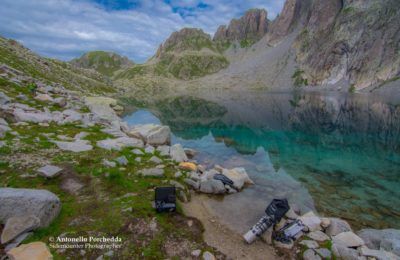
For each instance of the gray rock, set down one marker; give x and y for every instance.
(176, 184)
(4, 99)
(239, 177)
(164, 150)
(34, 117)
(109, 163)
(196, 253)
(17, 241)
(22, 97)
(149, 149)
(3, 122)
(81, 135)
(345, 253)
(309, 244)
(152, 134)
(318, 236)
(212, 186)
(76, 146)
(122, 160)
(119, 143)
(49, 171)
(176, 175)
(378, 254)
(208, 256)
(348, 239)
(337, 226)
(177, 153)
(137, 152)
(155, 159)
(138, 159)
(324, 253)
(194, 184)
(311, 221)
(310, 254)
(387, 239)
(20, 202)
(155, 172)
(190, 153)
(15, 226)
(72, 186)
(4, 129)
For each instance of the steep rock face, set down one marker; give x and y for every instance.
(103, 62)
(355, 41)
(250, 27)
(189, 53)
(293, 14)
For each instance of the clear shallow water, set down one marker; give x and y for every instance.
(333, 153)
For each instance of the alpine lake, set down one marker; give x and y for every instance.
(335, 153)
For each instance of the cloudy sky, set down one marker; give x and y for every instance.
(65, 29)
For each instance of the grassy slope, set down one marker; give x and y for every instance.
(50, 70)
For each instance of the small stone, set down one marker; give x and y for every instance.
(149, 149)
(267, 236)
(155, 172)
(348, 239)
(325, 222)
(122, 160)
(194, 184)
(311, 221)
(44, 97)
(212, 186)
(208, 256)
(309, 244)
(343, 252)
(109, 163)
(163, 150)
(177, 174)
(310, 254)
(138, 159)
(196, 253)
(137, 152)
(188, 166)
(176, 184)
(190, 153)
(155, 159)
(15, 226)
(324, 253)
(77, 146)
(32, 251)
(49, 171)
(109, 253)
(318, 236)
(284, 245)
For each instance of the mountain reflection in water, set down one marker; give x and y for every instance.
(335, 152)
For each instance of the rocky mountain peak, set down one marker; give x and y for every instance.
(293, 13)
(252, 26)
(185, 39)
(102, 61)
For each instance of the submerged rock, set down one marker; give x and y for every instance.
(20, 202)
(387, 239)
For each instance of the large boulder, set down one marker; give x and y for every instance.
(20, 202)
(120, 143)
(152, 134)
(34, 117)
(31, 251)
(101, 108)
(387, 239)
(238, 176)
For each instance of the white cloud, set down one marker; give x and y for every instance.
(66, 29)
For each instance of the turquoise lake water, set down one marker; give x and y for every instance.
(337, 154)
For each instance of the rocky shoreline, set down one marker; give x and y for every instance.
(25, 210)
